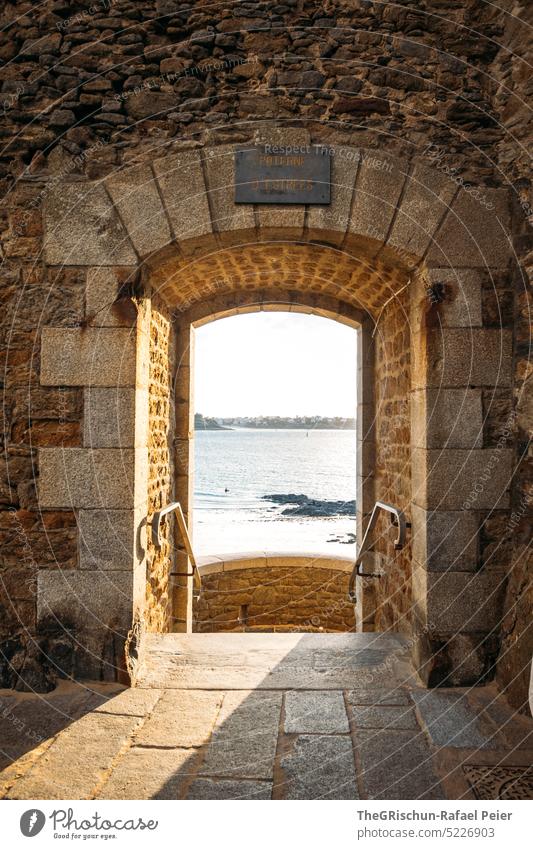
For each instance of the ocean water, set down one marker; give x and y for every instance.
(250, 464)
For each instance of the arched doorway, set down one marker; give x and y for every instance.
(394, 245)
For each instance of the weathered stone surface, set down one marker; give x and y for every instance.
(462, 296)
(396, 765)
(181, 719)
(454, 479)
(383, 696)
(101, 601)
(131, 702)
(109, 417)
(444, 540)
(146, 773)
(106, 301)
(182, 184)
(107, 539)
(315, 713)
(452, 720)
(318, 767)
(463, 602)
(86, 477)
(303, 592)
(446, 418)
(464, 357)
(424, 203)
(384, 716)
(135, 194)
(84, 228)
(206, 788)
(245, 737)
(227, 216)
(379, 182)
(331, 221)
(87, 357)
(473, 235)
(76, 762)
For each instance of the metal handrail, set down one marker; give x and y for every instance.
(398, 520)
(157, 518)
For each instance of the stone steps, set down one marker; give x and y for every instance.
(271, 661)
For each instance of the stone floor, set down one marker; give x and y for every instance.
(265, 716)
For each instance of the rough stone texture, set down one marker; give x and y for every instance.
(159, 611)
(319, 767)
(148, 773)
(136, 197)
(450, 721)
(447, 418)
(96, 607)
(78, 759)
(392, 475)
(295, 596)
(86, 477)
(109, 417)
(206, 788)
(444, 540)
(101, 741)
(315, 713)
(388, 718)
(181, 719)
(458, 479)
(182, 185)
(87, 229)
(245, 736)
(395, 81)
(106, 538)
(396, 765)
(87, 357)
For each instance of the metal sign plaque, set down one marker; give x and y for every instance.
(278, 174)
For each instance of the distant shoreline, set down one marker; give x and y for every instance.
(273, 423)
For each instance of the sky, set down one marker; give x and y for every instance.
(277, 364)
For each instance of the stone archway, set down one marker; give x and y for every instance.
(394, 230)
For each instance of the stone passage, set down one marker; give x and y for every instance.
(265, 716)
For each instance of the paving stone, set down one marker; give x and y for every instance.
(132, 702)
(150, 773)
(319, 767)
(28, 721)
(396, 718)
(181, 719)
(245, 737)
(77, 760)
(451, 720)
(396, 765)
(313, 712)
(206, 788)
(516, 728)
(383, 696)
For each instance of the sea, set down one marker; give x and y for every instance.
(237, 470)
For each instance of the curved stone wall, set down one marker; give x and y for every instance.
(281, 592)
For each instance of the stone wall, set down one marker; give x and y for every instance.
(89, 89)
(511, 99)
(360, 71)
(392, 475)
(158, 614)
(289, 593)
